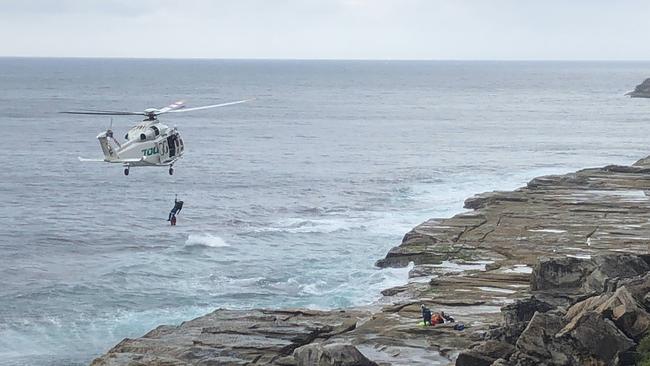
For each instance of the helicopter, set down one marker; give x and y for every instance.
(149, 143)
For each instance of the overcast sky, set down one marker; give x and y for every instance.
(328, 29)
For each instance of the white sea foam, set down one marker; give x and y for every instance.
(377, 223)
(315, 288)
(327, 225)
(205, 239)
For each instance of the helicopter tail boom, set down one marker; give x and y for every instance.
(119, 161)
(86, 160)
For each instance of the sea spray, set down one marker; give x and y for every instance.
(207, 240)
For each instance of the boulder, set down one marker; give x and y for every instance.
(578, 309)
(523, 310)
(599, 338)
(501, 362)
(538, 342)
(639, 287)
(589, 339)
(566, 273)
(515, 319)
(612, 267)
(485, 354)
(495, 349)
(472, 358)
(645, 257)
(335, 354)
(628, 315)
(621, 307)
(574, 275)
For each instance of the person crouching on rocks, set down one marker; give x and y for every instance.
(426, 315)
(437, 319)
(447, 318)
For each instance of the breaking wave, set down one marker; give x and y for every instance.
(206, 240)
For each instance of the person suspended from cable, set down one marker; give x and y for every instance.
(178, 206)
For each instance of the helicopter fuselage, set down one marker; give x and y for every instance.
(149, 143)
(154, 142)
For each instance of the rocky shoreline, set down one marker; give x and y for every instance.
(553, 273)
(641, 91)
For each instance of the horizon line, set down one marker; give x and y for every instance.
(324, 59)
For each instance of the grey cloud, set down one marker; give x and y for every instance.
(393, 29)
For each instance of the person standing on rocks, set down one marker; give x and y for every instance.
(426, 315)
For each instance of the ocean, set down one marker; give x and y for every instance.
(289, 199)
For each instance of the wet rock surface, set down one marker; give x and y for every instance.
(330, 355)
(539, 275)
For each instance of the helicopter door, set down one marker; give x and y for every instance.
(164, 150)
(171, 142)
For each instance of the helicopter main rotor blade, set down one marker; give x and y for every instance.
(209, 106)
(152, 112)
(174, 106)
(105, 113)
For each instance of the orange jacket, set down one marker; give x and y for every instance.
(437, 319)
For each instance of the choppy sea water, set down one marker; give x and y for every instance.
(289, 200)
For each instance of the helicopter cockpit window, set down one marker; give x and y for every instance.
(155, 130)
